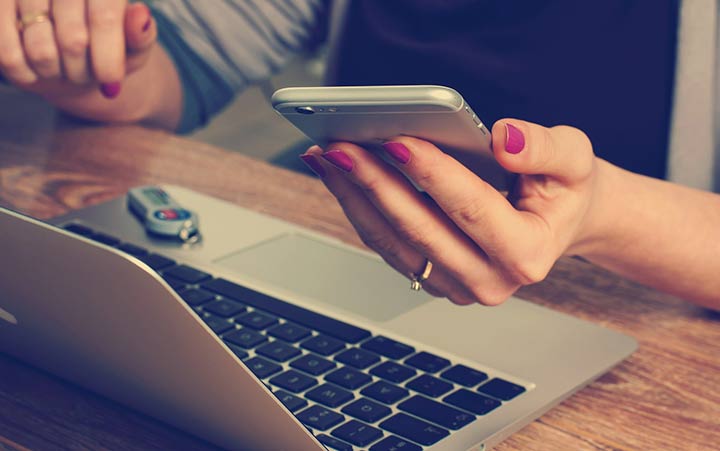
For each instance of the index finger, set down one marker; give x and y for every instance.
(13, 63)
(107, 39)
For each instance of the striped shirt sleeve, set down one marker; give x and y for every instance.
(220, 47)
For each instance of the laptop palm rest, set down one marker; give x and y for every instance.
(361, 285)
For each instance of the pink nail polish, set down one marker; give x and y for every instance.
(514, 139)
(110, 90)
(313, 164)
(146, 27)
(339, 160)
(398, 151)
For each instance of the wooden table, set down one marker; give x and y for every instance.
(665, 397)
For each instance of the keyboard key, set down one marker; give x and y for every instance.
(463, 375)
(329, 395)
(394, 372)
(238, 351)
(177, 285)
(393, 443)
(292, 402)
(262, 368)
(246, 338)
(501, 389)
(224, 307)
(333, 443)
(414, 429)
(133, 250)
(388, 348)
(366, 410)
(293, 381)
(428, 385)
(157, 262)
(358, 358)
(279, 351)
(472, 402)
(104, 239)
(348, 378)
(385, 392)
(323, 345)
(299, 315)
(289, 332)
(79, 229)
(256, 320)
(218, 325)
(187, 274)
(357, 433)
(427, 362)
(313, 364)
(196, 296)
(319, 418)
(436, 412)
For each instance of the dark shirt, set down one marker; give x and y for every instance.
(606, 67)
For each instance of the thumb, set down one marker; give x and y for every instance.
(140, 28)
(561, 152)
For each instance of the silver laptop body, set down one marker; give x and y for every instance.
(103, 319)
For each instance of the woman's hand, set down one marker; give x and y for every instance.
(66, 47)
(483, 245)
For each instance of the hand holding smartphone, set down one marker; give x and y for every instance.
(369, 115)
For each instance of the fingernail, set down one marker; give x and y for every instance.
(313, 164)
(339, 160)
(146, 27)
(514, 139)
(110, 90)
(397, 151)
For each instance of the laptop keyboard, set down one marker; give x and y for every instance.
(351, 388)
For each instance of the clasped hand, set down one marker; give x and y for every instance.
(60, 47)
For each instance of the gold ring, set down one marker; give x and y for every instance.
(27, 20)
(417, 279)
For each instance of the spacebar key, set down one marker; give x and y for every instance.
(321, 323)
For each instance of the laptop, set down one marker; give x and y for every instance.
(266, 335)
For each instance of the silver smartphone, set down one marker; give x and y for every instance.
(369, 115)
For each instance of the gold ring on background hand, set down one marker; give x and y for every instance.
(27, 20)
(417, 279)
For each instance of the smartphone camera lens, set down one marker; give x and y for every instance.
(305, 110)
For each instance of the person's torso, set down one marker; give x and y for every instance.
(605, 67)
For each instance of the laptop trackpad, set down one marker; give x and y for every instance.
(329, 274)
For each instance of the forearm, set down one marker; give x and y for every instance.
(151, 95)
(660, 234)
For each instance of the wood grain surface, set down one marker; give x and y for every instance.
(664, 397)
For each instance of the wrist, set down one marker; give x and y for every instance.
(598, 226)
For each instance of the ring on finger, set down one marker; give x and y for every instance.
(417, 279)
(27, 20)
